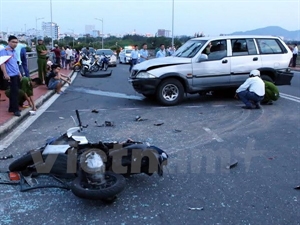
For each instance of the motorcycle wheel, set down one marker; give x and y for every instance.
(23, 162)
(59, 168)
(105, 66)
(115, 184)
(83, 71)
(95, 68)
(77, 68)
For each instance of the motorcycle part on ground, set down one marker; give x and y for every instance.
(59, 168)
(91, 162)
(98, 74)
(114, 184)
(11, 178)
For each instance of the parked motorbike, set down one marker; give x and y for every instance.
(77, 66)
(95, 170)
(89, 64)
(104, 60)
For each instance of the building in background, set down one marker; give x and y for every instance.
(163, 33)
(95, 33)
(89, 29)
(47, 27)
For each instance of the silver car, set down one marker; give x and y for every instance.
(108, 53)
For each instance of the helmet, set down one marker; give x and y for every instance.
(254, 73)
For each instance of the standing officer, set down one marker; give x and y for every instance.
(42, 52)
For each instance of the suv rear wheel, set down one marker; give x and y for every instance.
(267, 78)
(170, 92)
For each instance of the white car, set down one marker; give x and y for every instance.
(108, 53)
(212, 64)
(125, 56)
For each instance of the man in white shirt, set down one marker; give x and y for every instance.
(144, 55)
(295, 54)
(134, 57)
(252, 91)
(162, 52)
(69, 54)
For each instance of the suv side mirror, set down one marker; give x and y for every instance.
(203, 57)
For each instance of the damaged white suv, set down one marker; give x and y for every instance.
(210, 64)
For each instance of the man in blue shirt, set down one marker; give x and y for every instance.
(144, 55)
(24, 62)
(162, 52)
(134, 57)
(12, 73)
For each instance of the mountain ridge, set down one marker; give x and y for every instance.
(272, 30)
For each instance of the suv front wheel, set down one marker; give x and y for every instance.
(170, 92)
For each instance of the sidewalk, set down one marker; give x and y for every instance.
(40, 95)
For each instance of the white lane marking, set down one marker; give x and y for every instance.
(214, 135)
(290, 97)
(106, 93)
(27, 122)
(12, 136)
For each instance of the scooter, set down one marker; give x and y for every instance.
(88, 65)
(77, 66)
(104, 60)
(95, 170)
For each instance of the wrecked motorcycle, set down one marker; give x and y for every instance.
(94, 170)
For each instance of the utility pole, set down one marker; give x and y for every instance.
(36, 19)
(173, 23)
(101, 29)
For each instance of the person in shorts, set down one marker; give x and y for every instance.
(56, 78)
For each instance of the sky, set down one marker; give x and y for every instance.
(147, 16)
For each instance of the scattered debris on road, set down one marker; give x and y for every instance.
(232, 165)
(177, 131)
(158, 124)
(106, 124)
(139, 118)
(62, 118)
(199, 209)
(6, 157)
(297, 187)
(95, 111)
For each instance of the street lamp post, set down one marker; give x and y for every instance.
(36, 19)
(173, 23)
(73, 36)
(51, 24)
(101, 30)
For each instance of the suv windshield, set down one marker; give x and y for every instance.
(190, 48)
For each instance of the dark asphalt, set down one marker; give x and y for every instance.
(213, 132)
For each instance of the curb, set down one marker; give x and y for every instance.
(14, 121)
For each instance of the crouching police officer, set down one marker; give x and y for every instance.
(272, 93)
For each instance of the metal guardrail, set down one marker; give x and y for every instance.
(32, 61)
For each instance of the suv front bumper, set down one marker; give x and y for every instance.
(144, 86)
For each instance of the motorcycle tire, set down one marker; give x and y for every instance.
(83, 71)
(77, 68)
(105, 194)
(96, 68)
(59, 168)
(105, 66)
(23, 162)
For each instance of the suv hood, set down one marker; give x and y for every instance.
(161, 62)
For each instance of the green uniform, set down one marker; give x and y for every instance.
(26, 87)
(271, 92)
(41, 61)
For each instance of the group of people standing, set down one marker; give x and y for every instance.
(20, 85)
(63, 57)
(138, 56)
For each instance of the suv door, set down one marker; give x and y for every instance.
(273, 53)
(215, 71)
(244, 58)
